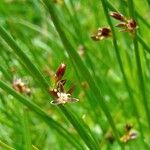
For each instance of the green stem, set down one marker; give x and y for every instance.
(80, 65)
(33, 69)
(47, 119)
(133, 103)
(26, 131)
(139, 67)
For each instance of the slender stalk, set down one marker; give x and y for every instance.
(37, 74)
(80, 65)
(139, 67)
(139, 38)
(47, 119)
(137, 14)
(23, 57)
(133, 103)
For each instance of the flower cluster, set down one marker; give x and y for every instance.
(129, 134)
(128, 25)
(101, 34)
(21, 86)
(58, 92)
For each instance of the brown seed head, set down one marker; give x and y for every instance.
(128, 127)
(21, 87)
(60, 72)
(129, 136)
(101, 34)
(131, 24)
(105, 31)
(117, 16)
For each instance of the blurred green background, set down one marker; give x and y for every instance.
(119, 83)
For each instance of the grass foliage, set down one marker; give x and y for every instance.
(111, 76)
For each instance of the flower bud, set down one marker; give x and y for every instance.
(60, 72)
(101, 34)
(131, 24)
(117, 16)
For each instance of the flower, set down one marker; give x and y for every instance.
(117, 16)
(101, 34)
(129, 134)
(20, 86)
(61, 96)
(60, 72)
(128, 25)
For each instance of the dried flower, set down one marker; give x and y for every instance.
(128, 25)
(61, 96)
(60, 72)
(101, 34)
(129, 136)
(117, 16)
(131, 24)
(20, 86)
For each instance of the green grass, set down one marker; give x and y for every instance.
(111, 77)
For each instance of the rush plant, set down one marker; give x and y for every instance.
(69, 79)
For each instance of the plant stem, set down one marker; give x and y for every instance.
(133, 103)
(80, 65)
(139, 67)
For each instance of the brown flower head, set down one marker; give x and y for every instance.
(20, 86)
(117, 16)
(61, 96)
(129, 136)
(128, 25)
(60, 72)
(131, 24)
(101, 34)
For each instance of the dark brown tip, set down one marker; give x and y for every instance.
(117, 16)
(131, 24)
(60, 72)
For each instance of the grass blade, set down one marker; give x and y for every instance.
(27, 62)
(139, 67)
(26, 132)
(5, 146)
(50, 122)
(80, 65)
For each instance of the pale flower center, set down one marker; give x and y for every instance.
(63, 96)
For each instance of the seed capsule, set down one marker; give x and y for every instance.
(117, 16)
(60, 72)
(101, 34)
(131, 24)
